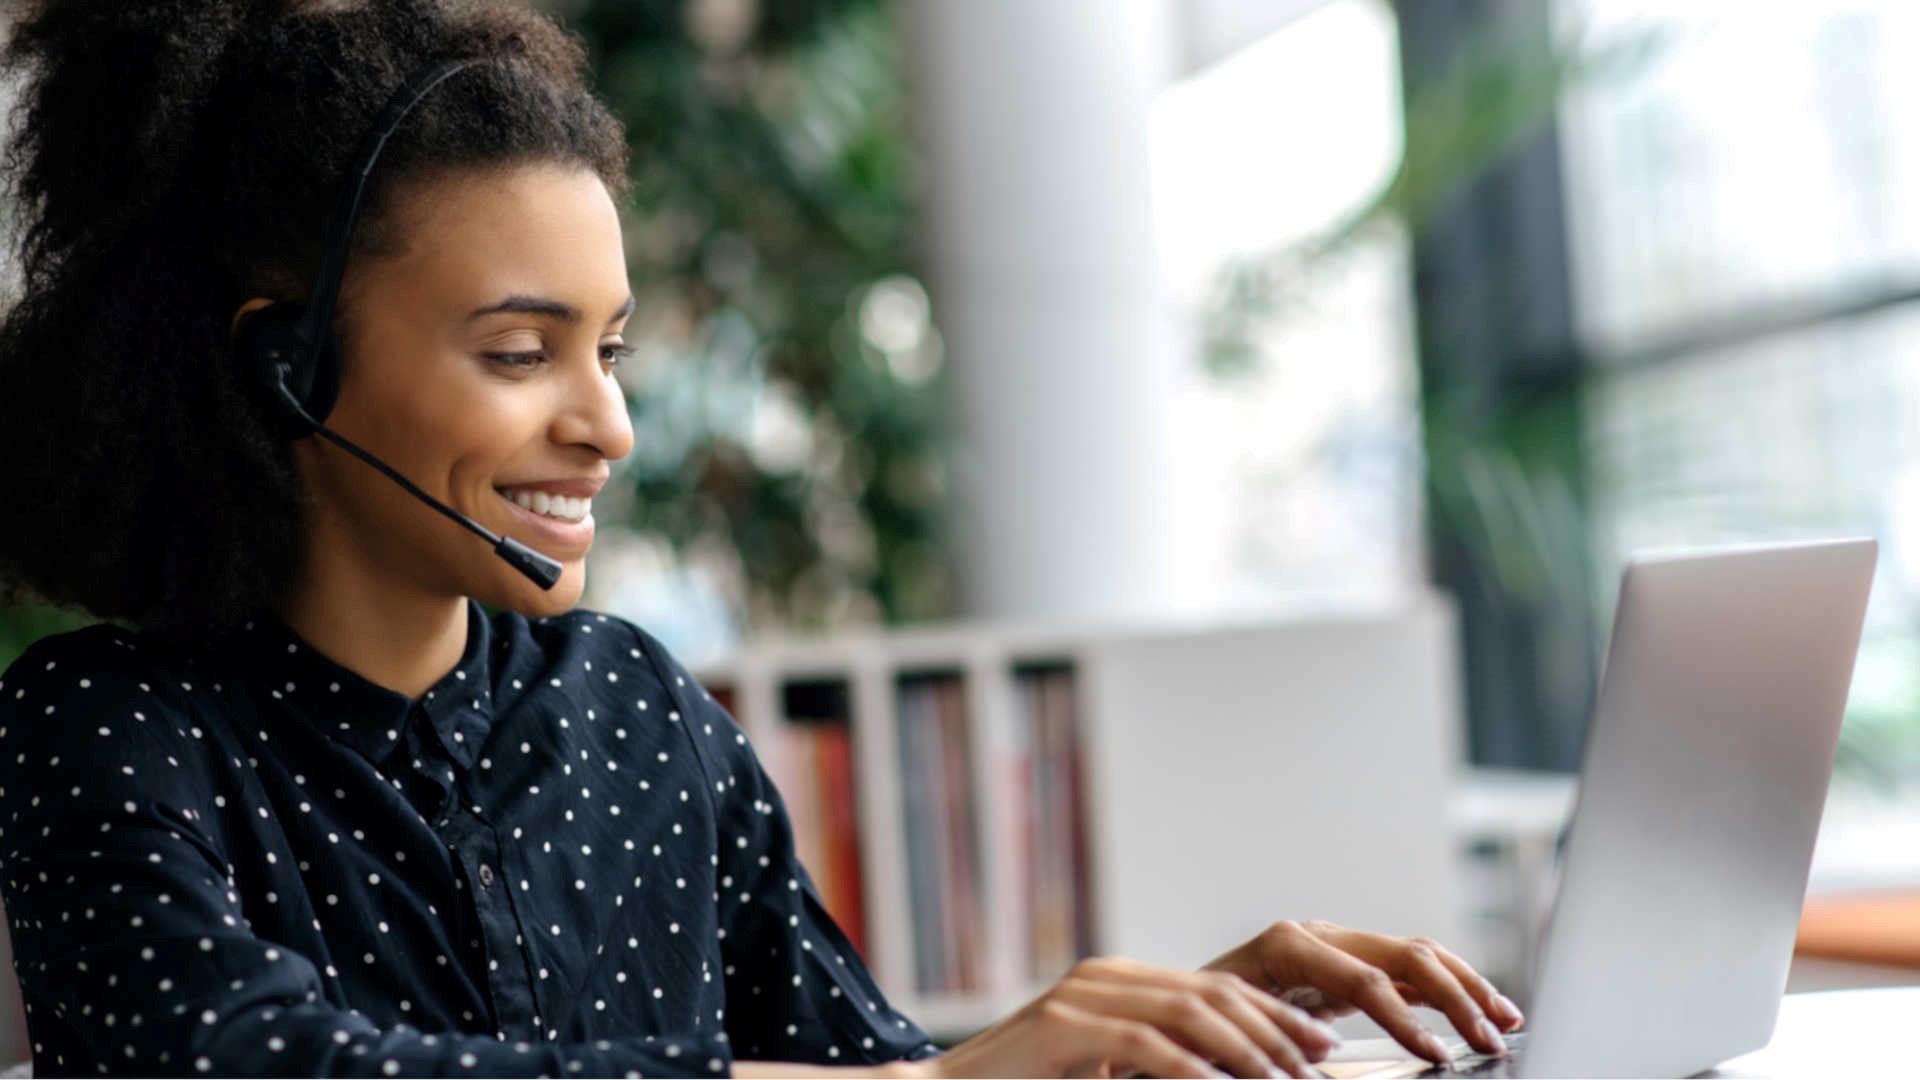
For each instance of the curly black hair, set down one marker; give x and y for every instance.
(169, 160)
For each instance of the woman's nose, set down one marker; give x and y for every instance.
(595, 414)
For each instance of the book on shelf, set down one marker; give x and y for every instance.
(923, 885)
(943, 846)
(810, 758)
(966, 938)
(1042, 767)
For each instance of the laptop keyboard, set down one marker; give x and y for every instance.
(1478, 1064)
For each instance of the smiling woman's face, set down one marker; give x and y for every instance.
(479, 364)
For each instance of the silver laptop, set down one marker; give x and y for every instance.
(1701, 789)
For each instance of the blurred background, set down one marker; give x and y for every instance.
(1202, 306)
(1181, 312)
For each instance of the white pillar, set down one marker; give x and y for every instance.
(1061, 340)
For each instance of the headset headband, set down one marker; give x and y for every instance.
(317, 316)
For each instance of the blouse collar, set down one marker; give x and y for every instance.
(368, 717)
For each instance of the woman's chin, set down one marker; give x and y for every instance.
(517, 593)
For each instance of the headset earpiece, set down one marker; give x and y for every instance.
(289, 348)
(296, 380)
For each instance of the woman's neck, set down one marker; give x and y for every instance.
(405, 640)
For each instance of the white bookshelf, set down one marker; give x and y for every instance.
(1233, 775)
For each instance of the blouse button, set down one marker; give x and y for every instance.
(486, 876)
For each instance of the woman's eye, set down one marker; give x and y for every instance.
(517, 360)
(610, 355)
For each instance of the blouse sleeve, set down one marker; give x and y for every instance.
(796, 989)
(128, 932)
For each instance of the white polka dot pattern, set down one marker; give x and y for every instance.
(254, 861)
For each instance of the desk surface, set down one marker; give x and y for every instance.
(1819, 1035)
(1838, 1033)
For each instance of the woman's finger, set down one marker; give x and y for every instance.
(1497, 1005)
(1298, 1031)
(1290, 1038)
(1315, 1003)
(1191, 1016)
(1398, 956)
(1346, 977)
(1303, 1035)
(1418, 962)
(1115, 1045)
(1272, 1015)
(1300, 1022)
(1438, 985)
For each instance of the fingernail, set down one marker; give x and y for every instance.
(1332, 1036)
(1435, 1049)
(1512, 1009)
(1490, 1033)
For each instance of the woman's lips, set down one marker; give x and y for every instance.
(550, 532)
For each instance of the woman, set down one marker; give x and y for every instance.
(320, 813)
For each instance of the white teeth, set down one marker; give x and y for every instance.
(554, 506)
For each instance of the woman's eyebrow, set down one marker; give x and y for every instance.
(521, 304)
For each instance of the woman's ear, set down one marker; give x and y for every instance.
(240, 314)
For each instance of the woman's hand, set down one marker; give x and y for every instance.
(1118, 1017)
(1333, 971)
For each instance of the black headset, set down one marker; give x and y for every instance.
(289, 353)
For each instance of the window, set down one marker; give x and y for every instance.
(1307, 459)
(1745, 250)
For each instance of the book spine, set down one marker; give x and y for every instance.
(844, 849)
(964, 937)
(1011, 814)
(920, 883)
(1076, 815)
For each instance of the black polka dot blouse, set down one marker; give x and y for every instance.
(565, 859)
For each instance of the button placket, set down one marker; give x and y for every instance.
(509, 981)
